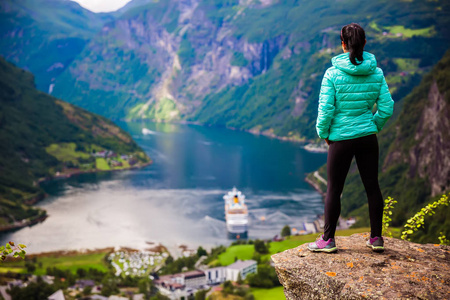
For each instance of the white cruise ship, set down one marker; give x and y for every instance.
(236, 214)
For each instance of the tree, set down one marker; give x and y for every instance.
(265, 278)
(145, 285)
(201, 252)
(109, 286)
(201, 295)
(159, 296)
(261, 247)
(286, 231)
(33, 291)
(87, 290)
(169, 260)
(81, 273)
(30, 266)
(239, 279)
(228, 288)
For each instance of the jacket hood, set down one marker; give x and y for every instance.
(343, 63)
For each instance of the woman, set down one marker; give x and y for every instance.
(350, 88)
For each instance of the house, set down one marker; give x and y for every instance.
(98, 297)
(58, 295)
(181, 280)
(48, 279)
(194, 278)
(169, 282)
(15, 282)
(100, 154)
(216, 275)
(116, 163)
(110, 154)
(82, 283)
(241, 267)
(114, 297)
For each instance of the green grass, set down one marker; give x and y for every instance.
(407, 64)
(375, 26)
(101, 164)
(297, 240)
(408, 33)
(64, 262)
(165, 109)
(242, 252)
(125, 164)
(268, 294)
(66, 152)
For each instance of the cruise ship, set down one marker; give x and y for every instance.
(236, 214)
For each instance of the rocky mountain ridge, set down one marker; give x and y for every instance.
(43, 138)
(429, 158)
(238, 64)
(44, 36)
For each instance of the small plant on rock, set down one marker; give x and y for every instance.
(417, 221)
(443, 239)
(387, 212)
(11, 248)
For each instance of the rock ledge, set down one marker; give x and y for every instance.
(404, 270)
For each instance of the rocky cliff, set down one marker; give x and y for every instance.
(428, 157)
(404, 271)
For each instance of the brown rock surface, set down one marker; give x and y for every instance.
(404, 270)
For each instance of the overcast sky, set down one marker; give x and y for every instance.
(102, 5)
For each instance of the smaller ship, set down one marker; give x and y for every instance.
(236, 214)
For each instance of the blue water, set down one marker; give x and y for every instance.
(178, 199)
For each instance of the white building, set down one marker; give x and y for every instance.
(216, 275)
(179, 281)
(58, 295)
(194, 278)
(241, 267)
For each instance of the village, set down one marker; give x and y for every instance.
(136, 274)
(130, 267)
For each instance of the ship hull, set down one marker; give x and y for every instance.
(241, 228)
(237, 236)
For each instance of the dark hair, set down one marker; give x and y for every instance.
(354, 39)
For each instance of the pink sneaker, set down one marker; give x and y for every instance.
(320, 245)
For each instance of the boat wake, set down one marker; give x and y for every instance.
(146, 131)
(214, 226)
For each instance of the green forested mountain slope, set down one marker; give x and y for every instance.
(44, 36)
(248, 65)
(40, 136)
(414, 157)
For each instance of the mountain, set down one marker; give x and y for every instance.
(43, 137)
(414, 157)
(44, 36)
(249, 65)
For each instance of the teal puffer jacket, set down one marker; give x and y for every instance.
(347, 96)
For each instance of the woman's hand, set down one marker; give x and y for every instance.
(328, 141)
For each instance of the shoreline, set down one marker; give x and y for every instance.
(316, 187)
(30, 202)
(265, 133)
(80, 172)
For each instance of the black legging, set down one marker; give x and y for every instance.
(340, 155)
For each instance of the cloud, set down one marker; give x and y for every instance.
(102, 5)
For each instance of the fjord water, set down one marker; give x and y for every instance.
(178, 199)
